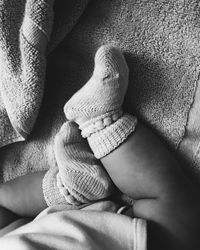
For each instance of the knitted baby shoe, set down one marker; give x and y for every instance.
(97, 106)
(81, 177)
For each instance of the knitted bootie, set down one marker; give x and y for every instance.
(97, 106)
(81, 177)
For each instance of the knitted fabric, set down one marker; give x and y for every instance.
(105, 90)
(51, 192)
(97, 106)
(81, 177)
(106, 140)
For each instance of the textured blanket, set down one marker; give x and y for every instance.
(25, 30)
(161, 43)
(94, 227)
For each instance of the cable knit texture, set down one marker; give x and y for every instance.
(106, 140)
(51, 192)
(81, 177)
(97, 106)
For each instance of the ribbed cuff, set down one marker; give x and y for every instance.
(106, 140)
(139, 234)
(51, 192)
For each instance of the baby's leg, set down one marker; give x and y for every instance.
(139, 163)
(97, 108)
(81, 179)
(147, 171)
(21, 197)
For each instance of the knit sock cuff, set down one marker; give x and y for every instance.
(100, 122)
(109, 138)
(51, 192)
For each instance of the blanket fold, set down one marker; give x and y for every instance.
(84, 229)
(25, 28)
(25, 33)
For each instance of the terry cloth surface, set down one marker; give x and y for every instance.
(161, 43)
(25, 30)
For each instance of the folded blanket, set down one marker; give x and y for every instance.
(25, 30)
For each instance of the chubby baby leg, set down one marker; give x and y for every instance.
(23, 195)
(149, 169)
(97, 109)
(138, 162)
(145, 169)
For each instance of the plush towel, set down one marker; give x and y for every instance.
(25, 28)
(161, 43)
(25, 31)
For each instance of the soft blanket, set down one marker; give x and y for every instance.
(25, 30)
(29, 31)
(93, 227)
